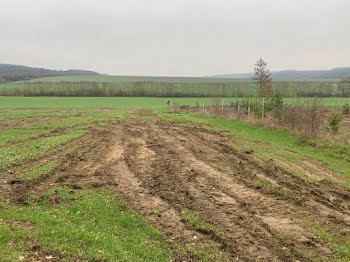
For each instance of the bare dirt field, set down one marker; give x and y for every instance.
(201, 190)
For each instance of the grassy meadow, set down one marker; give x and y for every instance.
(132, 102)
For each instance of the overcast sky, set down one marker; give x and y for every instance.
(177, 37)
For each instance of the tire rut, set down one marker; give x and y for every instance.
(191, 166)
(180, 178)
(163, 168)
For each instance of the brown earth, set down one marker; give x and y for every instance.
(162, 168)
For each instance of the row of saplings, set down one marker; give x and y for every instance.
(299, 115)
(304, 116)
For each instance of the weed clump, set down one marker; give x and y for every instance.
(346, 109)
(270, 188)
(193, 219)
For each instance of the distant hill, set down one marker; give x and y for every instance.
(336, 73)
(10, 73)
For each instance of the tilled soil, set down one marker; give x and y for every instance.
(162, 168)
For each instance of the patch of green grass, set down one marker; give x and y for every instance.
(35, 130)
(7, 249)
(14, 154)
(123, 102)
(270, 188)
(94, 102)
(154, 211)
(93, 223)
(16, 135)
(283, 235)
(198, 223)
(339, 149)
(147, 118)
(287, 251)
(40, 171)
(44, 137)
(209, 252)
(280, 246)
(102, 124)
(332, 237)
(7, 114)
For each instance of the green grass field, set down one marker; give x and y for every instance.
(128, 102)
(40, 136)
(93, 223)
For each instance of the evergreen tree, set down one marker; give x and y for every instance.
(262, 78)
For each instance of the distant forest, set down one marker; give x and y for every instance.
(335, 73)
(11, 73)
(301, 88)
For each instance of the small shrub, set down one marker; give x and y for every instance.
(334, 120)
(306, 139)
(277, 103)
(216, 104)
(303, 117)
(346, 109)
(256, 108)
(277, 100)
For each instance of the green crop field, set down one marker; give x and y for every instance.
(130, 102)
(123, 179)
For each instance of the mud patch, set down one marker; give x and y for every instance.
(162, 169)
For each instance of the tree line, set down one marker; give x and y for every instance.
(265, 88)
(11, 73)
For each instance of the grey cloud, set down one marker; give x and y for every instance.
(183, 37)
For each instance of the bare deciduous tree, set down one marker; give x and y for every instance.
(262, 77)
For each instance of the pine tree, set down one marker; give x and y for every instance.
(262, 78)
